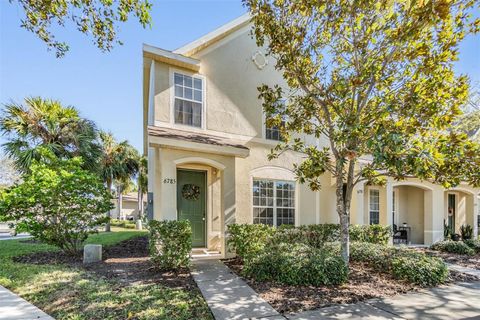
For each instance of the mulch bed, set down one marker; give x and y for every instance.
(363, 283)
(127, 262)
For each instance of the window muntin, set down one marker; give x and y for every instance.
(273, 202)
(188, 100)
(374, 204)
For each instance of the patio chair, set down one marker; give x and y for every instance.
(399, 236)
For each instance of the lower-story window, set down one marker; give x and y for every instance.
(374, 200)
(273, 202)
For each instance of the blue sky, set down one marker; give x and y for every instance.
(107, 87)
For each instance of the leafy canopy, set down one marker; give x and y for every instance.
(376, 79)
(97, 19)
(47, 124)
(58, 202)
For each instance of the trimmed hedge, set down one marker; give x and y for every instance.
(297, 264)
(122, 223)
(248, 239)
(450, 246)
(415, 267)
(170, 244)
(474, 244)
(419, 269)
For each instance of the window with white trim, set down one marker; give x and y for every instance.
(273, 132)
(188, 100)
(374, 203)
(273, 202)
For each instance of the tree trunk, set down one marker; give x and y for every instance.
(344, 196)
(109, 213)
(120, 204)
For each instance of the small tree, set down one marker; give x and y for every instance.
(376, 80)
(58, 203)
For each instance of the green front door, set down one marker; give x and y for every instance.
(191, 202)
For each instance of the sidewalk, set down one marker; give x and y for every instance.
(459, 301)
(12, 307)
(229, 297)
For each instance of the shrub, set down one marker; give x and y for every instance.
(452, 247)
(248, 239)
(473, 244)
(315, 235)
(370, 233)
(466, 231)
(419, 269)
(170, 244)
(376, 256)
(122, 223)
(58, 203)
(297, 264)
(402, 263)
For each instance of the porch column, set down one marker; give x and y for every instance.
(433, 215)
(153, 198)
(360, 214)
(389, 197)
(475, 215)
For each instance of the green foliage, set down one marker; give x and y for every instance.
(47, 124)
(58, 203)
(419, 269)
(119, 161)
(474, 244)
(97, 19)
(122, 223)
(466, 231)
(405, 264)
(170, 244)
(377, 80)
(314, 235)
(90, 296)
(370, 233)
(297, 264)
(450, 246)
(248, 239)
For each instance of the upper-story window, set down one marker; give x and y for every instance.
(273, 132)
(188, 102)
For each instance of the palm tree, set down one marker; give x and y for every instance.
(118, 161)
(142, 184)
(123, 186)
(48, 124)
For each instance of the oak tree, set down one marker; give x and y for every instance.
(375, 80)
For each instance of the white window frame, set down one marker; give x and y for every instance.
(264, 126)
(172, 72)
(369, 209)
(275, 207)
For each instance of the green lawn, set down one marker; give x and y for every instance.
(70, 293)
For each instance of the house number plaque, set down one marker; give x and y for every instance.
(169, 181)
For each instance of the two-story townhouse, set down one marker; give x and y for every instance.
(207, 146)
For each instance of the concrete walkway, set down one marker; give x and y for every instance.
(469, 271)
(459, 301)
(12, 307)
(228, 296)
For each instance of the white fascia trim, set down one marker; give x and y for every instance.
(171, 57)
(198, 147)
(219, 33)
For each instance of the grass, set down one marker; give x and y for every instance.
(70, 293)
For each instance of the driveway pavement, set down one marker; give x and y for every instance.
(7, 236)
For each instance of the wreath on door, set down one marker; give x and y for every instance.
(191, 192)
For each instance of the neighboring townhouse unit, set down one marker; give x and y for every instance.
(207, 145)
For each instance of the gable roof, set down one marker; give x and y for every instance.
(214, 36)
(169, 57)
